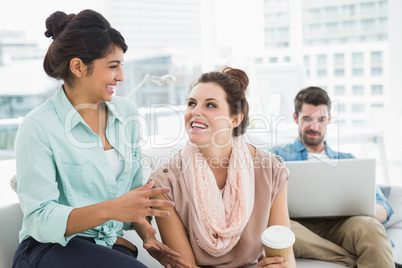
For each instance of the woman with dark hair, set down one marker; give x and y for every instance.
(78, 157)
(226, 192)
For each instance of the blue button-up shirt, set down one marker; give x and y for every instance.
(61, 165)
(296, 151)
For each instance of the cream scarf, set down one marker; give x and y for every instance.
(219, 219)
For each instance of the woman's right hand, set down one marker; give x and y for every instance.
(164, 254)
(136, 204)
(272, 262)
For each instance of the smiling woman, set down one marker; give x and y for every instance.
(75, 167)
(227, 192)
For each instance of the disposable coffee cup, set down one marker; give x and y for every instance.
(278, 241)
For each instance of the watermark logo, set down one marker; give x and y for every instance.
(162, 126)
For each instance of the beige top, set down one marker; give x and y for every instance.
(270, 176)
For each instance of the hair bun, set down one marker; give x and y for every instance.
(239, 75)
(56, 22)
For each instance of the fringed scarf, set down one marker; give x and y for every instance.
(220, 218)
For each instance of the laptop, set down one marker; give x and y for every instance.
(331, 188)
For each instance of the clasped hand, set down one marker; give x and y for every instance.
(136, 204)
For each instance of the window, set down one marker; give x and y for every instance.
(322, 73)
(342, 122)
(286, 59)
(368, 8)
(306, 60)
(376, 57)
(358, 107)
(315, 13)
(339, 91)
(314, 29)
(352, 39)
(377, 105)
(323, 87)
(331, 12)
(339, 59)
(357, 72)
(368, 25)
(339, 72)
(283, 44)
(258, 60)
(340, 107)
(283, 32)
(377, 90)
(376, 71)
(348, 10)
(383, 6)
(273, 60)
(322, 60)
(331, 27)
(357, 59)
(358, 90)
(383, 23)
(358, 123)
(270, 34)
(348, 26)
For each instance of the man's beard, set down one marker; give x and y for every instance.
(314, 142)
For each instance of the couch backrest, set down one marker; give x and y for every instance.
(155, 157)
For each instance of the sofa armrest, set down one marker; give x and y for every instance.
(394, 226)
(395, 200)
(10, 225)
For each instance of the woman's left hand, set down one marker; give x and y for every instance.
(165, 255)
(272, 262)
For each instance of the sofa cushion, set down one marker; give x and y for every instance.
(13, 183)
(10, 225)
(395, 234)
(394, 225)
(155, 157)
(395, 200)
(385, 190)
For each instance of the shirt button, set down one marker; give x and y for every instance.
(165, 170)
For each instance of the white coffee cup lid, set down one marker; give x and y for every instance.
(278, 237)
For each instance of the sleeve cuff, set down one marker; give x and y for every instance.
(382, 200)
(61, 213)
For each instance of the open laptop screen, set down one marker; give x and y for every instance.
(333, 188)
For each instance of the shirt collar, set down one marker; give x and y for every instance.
(331, 154)
(69, 116)
(113, 113)
(299, 147)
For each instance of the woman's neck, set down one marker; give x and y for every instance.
(217, 157)
(80, 102)
(218, 160)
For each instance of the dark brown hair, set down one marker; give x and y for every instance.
(312, 95)
(234, 82)
(87, 36)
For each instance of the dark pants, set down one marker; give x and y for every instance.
(79, 252)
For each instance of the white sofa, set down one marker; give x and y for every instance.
(11, 218)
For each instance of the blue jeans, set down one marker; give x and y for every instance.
(79, 252)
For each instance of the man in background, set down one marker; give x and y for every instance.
(357, 241)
